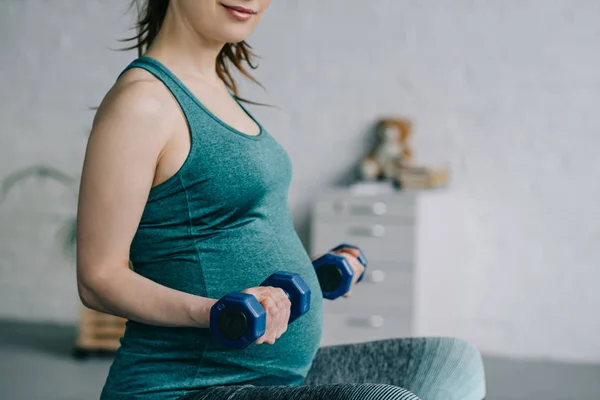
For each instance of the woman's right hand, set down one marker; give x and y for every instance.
(277, 306)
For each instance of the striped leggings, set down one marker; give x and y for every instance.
(392, 369)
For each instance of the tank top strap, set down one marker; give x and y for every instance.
(181, 94)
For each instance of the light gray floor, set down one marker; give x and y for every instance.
(35, 363)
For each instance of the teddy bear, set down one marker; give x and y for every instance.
(391, 152)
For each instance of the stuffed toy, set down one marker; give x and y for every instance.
(391, 151)
(392, 159)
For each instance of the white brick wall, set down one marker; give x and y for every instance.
(505, 92)
(54, 65)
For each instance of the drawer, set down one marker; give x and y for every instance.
(391, 208)
(355, 328)
(378, 241)
(386, 288)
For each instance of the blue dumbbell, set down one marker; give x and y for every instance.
(237, 320)
(335, 272)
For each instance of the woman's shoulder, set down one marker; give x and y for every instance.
(136, 111)
(140, 92)
(138, 97)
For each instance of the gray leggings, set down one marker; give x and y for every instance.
(393, 369)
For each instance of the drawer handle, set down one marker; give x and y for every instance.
(376, 276)
(371, 231)
(378, 208)
(371, 321)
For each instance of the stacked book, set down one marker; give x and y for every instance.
(413, 177)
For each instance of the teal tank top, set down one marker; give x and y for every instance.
(222, 223)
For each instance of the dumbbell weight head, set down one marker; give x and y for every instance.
(361, 256)
(335, 273)
(238, 320)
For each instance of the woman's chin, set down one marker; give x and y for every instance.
(235, 35)
(236, 38)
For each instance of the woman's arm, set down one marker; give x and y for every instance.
(130, 131)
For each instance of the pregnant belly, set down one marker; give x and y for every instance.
(235, 260)
(247, 265)
(159, 359)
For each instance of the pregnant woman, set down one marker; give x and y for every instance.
(183, 181)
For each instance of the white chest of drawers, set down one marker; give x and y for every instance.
(384, 227)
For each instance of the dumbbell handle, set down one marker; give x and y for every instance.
(295, 289)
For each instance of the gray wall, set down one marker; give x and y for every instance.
(504, 92)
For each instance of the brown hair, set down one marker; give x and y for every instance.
(151, 15)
